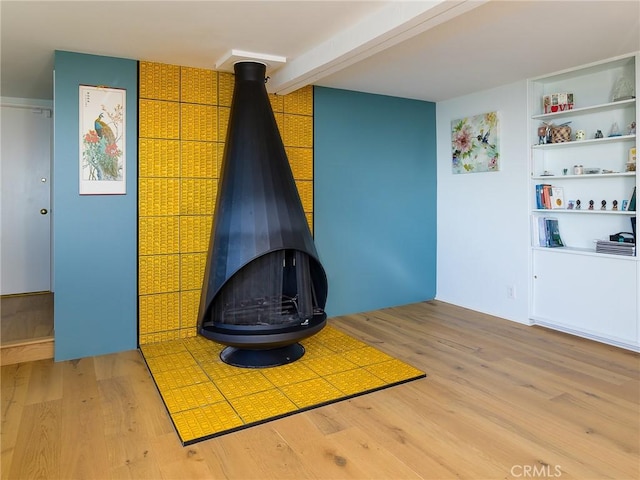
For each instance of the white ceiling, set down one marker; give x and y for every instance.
(433, 50)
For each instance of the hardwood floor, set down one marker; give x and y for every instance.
(26, 327)
(25, 317)
(501, 400)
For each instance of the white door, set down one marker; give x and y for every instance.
(25, 236)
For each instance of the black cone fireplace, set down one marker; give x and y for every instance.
(264, 288)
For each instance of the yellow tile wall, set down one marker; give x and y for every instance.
(183, 115)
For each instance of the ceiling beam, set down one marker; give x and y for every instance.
(392, 24)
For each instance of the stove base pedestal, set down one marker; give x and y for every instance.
(273, 357)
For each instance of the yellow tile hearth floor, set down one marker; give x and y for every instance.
(206, 397)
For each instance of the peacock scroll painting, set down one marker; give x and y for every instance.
(102, 141)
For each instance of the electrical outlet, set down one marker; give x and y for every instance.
(511, 292)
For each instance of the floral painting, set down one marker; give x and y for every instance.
(475, 144)
(102, 140)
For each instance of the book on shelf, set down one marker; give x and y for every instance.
(549, 197)
(557, 197)
(542, 196)
(632, 201)
(546, 232)
(546, 196)
(554, 238)
(539, 196)
(538, 237)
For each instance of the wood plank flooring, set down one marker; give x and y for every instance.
(501, 400)
(26, 327)
(25, 317)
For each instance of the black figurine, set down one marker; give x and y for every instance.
(590, 204)
(615, 205)
(578, 204)
(604, 205)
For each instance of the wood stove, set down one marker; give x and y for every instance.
(264, 287)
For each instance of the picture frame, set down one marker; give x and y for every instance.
(475, 144)
(102, 140)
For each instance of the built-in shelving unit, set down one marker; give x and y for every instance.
(574, 288)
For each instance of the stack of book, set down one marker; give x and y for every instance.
(549, 197)
(615, 248)
(547, 232)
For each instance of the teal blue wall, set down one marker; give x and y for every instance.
(94, 236)
(374, 199)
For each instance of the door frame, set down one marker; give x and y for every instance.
(43, 107)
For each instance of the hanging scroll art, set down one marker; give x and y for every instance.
(102, 141)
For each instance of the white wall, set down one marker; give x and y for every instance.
(483, 221)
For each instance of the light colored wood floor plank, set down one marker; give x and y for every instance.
(24, 317)
(37, 453)
(15, 385)
(45, 382)
(499, 397)
(82, 431)
(187, 462)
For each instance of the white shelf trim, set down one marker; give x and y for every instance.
(554, 325)
(588, 175)
(574, 143)
(584, 210)
(589, 252)
(591, 109)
